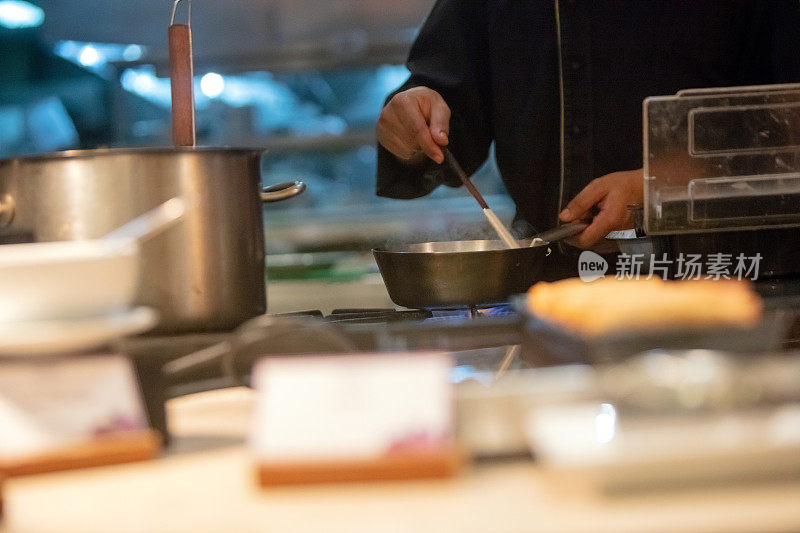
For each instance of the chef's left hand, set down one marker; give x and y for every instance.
(611, 194)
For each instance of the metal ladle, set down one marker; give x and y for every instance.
(148, 224)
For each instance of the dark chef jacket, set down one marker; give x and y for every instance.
(558, 85)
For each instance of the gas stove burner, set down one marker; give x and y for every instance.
(495, 310)
(342, 331)
(363, 316)
(389, 315)
(376, 316)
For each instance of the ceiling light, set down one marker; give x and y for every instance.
(212, 84)
(15, 14)
(89, 56)
(132, 52)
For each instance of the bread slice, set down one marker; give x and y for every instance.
(611, 305)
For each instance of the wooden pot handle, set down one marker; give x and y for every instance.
(181, 76)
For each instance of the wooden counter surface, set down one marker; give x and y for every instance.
(207, 483)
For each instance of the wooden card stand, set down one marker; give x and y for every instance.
(441, 463)
(391, 412)
(127, 447)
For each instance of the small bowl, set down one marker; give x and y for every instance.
(70, 279)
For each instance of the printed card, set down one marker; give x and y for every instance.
(351, 407)
(48, 404)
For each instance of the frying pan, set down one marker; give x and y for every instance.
(464, 273)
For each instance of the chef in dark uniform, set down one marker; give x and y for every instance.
(558, 87)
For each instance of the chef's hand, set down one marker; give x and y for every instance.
(415, 124)
(611, 194)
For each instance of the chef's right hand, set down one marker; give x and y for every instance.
(415, 124)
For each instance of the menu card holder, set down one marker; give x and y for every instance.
(326, 419)
(443, 462)
(127, 447)
(69, 413)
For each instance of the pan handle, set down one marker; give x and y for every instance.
(282, 191)
(7, 206)
(562, 232)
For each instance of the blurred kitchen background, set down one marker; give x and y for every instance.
(303, 79)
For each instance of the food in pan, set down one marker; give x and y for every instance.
(610, 305)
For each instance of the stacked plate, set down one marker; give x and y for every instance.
(62, 297)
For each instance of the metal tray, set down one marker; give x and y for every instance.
(545, 343)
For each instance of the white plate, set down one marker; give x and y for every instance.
(49, 337)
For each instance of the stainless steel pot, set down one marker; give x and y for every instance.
(205, 274)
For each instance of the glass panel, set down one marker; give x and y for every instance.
(722, 159)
